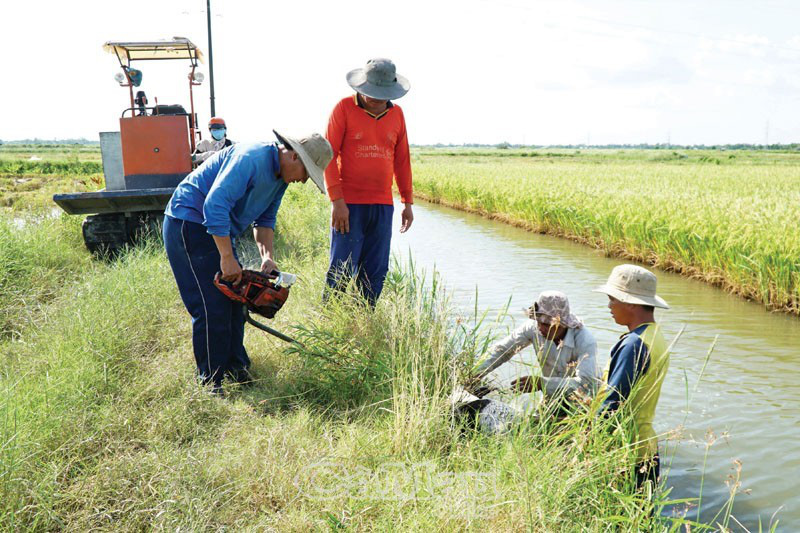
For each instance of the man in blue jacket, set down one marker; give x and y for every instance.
(240, 185)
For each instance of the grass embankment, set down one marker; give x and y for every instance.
(102, 426)
(729, 218)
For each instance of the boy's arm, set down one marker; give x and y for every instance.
(633, 360)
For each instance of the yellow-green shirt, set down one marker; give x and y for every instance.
(632, 381)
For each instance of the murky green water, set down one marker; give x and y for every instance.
(749, 397)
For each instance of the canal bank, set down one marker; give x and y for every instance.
(747, 405)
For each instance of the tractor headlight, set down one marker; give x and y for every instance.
(119, 77)
(198, 77)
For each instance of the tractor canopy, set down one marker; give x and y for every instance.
(177, 48)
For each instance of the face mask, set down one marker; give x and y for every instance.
(218, 134)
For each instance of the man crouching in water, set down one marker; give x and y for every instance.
(565, 349)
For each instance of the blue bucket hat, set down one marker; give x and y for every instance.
(379, 80)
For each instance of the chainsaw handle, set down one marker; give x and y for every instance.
(219, 282)
(228, 289)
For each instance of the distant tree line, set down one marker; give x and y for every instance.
(50, 141)
(507, 146)
(640, 146)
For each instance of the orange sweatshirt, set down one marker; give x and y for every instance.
(367, 151)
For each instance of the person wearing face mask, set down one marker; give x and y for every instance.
(566, 350)
(219, 140)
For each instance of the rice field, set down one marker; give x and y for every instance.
(31, 174)
(728, 218)
(103, 428)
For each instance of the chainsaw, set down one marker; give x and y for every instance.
(260, 293)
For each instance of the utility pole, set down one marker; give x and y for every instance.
(210, 59)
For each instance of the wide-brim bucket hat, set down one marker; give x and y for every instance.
(555, 305)
(378, 79)
(632, 284)
(315, 152)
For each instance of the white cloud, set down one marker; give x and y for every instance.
(656, 70)
(751, 44)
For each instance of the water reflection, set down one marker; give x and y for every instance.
(749, 396)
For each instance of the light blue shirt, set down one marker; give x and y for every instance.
(234, 188)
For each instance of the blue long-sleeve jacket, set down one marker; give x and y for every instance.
(234, 188)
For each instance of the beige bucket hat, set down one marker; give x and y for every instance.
(315, 152)
(555, 305)
(632, 284)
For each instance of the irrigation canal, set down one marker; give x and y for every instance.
(749, 396)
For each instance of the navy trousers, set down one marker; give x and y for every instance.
(362, 253)
(217, 322)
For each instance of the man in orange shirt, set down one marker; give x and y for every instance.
(370, 147)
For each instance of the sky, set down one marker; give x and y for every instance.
(524, 72)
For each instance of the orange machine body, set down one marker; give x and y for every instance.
(155, 150)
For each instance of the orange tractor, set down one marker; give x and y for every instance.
(145, 160)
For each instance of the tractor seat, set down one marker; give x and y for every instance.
(169, 110)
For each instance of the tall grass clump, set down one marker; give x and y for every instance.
(731, 225)
(38, 255)
(62, 379)
(401, 359)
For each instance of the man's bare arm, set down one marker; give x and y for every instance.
(264, 238)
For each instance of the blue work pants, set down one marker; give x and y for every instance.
(217, 322)
(363, 252)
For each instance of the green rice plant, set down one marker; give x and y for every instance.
(52, 152)
(72, 167)
(730, 225)
(31, 174)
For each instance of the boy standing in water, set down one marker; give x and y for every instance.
(638, 362)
